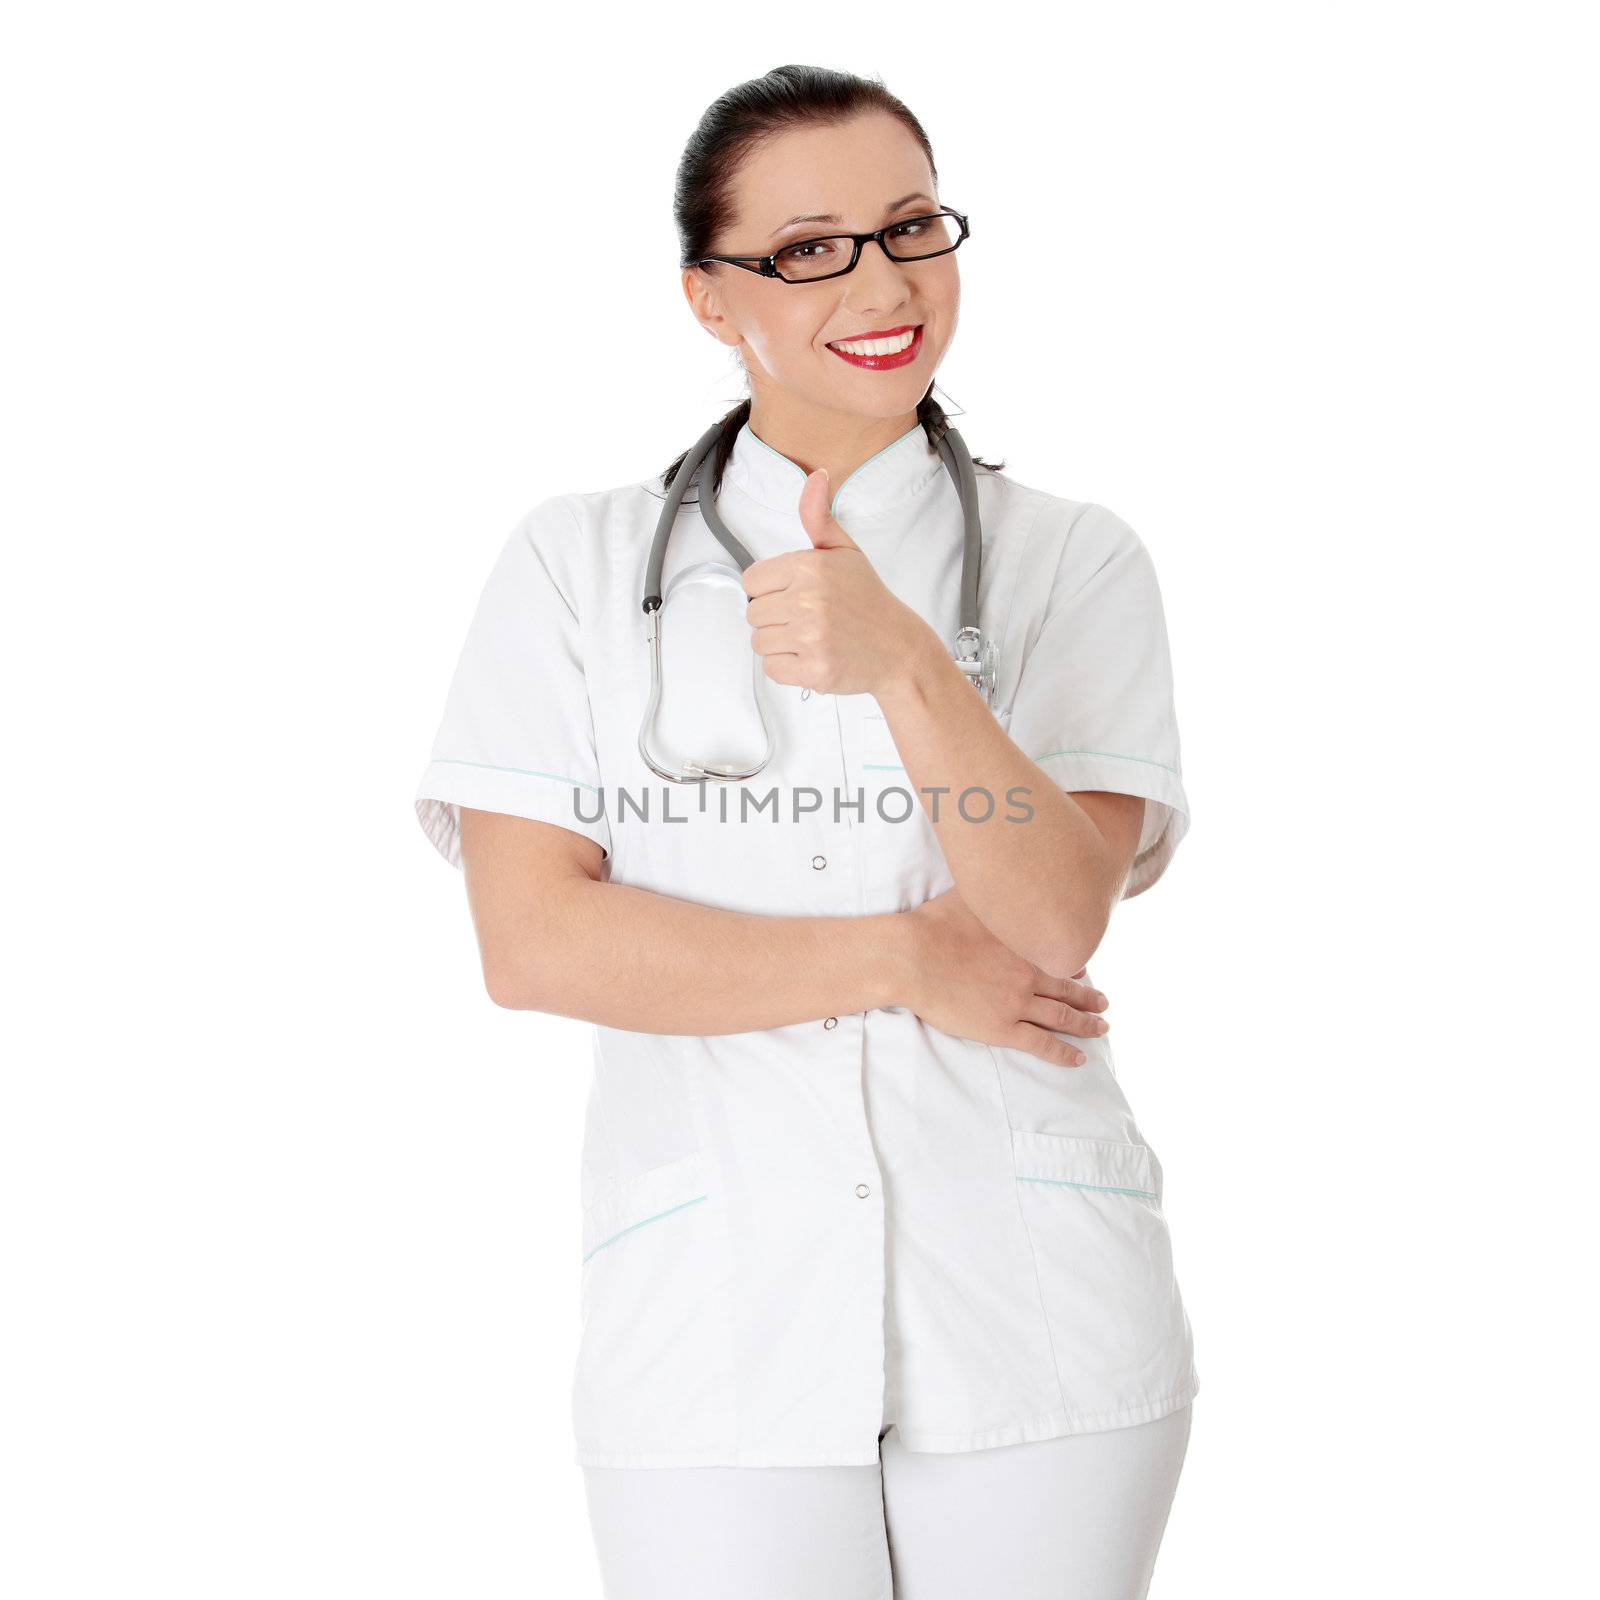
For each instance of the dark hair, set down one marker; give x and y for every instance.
(732, 126)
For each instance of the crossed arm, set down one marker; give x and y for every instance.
(1044, 886)
(553, 936)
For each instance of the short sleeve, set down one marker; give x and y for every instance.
(517, 735)
(1094, 703)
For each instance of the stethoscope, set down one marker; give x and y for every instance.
(974, 654)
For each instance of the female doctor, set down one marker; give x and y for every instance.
(877, 1290)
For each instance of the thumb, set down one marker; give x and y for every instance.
(816, 519)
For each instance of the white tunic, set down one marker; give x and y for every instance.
(795, 1236)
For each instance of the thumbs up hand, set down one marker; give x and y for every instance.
(817, 519)
(822, 618)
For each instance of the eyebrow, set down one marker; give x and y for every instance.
(820, 216)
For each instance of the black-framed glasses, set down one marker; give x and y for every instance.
(811, 260)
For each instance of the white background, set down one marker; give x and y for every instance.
(309, 303)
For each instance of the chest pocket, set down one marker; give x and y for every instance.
(879, 754)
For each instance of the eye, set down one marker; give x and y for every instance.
(801, 251)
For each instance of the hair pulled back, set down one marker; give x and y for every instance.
(731, 127)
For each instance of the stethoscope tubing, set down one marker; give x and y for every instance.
(952, 451)
(975, 657)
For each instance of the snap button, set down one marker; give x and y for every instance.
(805, 694)
(830, 1022)
(819, 862)
(863, 1190)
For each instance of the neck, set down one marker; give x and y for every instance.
(836, 440)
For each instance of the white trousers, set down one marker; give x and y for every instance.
(1074, 1518)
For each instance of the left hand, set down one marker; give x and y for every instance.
(823, 619)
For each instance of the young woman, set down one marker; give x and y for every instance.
(876, 1285)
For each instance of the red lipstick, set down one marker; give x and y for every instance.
(884, 363)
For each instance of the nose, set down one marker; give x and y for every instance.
(878, 278)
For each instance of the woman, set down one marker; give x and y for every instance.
(875, 1280)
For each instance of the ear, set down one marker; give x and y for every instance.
(702, 292)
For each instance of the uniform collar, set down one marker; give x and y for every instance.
(894, 476)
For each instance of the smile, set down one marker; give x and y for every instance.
(890, 350)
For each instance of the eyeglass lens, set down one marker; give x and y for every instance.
(906, 241)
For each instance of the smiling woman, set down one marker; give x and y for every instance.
(874, 1263)
(808, 278)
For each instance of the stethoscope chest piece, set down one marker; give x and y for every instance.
(979, 658)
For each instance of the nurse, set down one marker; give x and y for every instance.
(876, 1282)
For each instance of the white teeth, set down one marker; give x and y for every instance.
(877, 347)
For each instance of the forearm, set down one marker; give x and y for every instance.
(1031, 864)
(626, 957)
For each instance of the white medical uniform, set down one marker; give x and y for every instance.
(793, 1237)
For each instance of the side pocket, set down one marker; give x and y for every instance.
(1105, 1166)
(1092, 1208)
(653, 1369)
(651, 1196)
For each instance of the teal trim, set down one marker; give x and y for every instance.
(895, 766)
(834, 508)
(1113, 754)
(632, 1225)
(1105, 1188)
(521, 772)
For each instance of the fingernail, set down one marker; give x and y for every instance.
(1100, 999)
